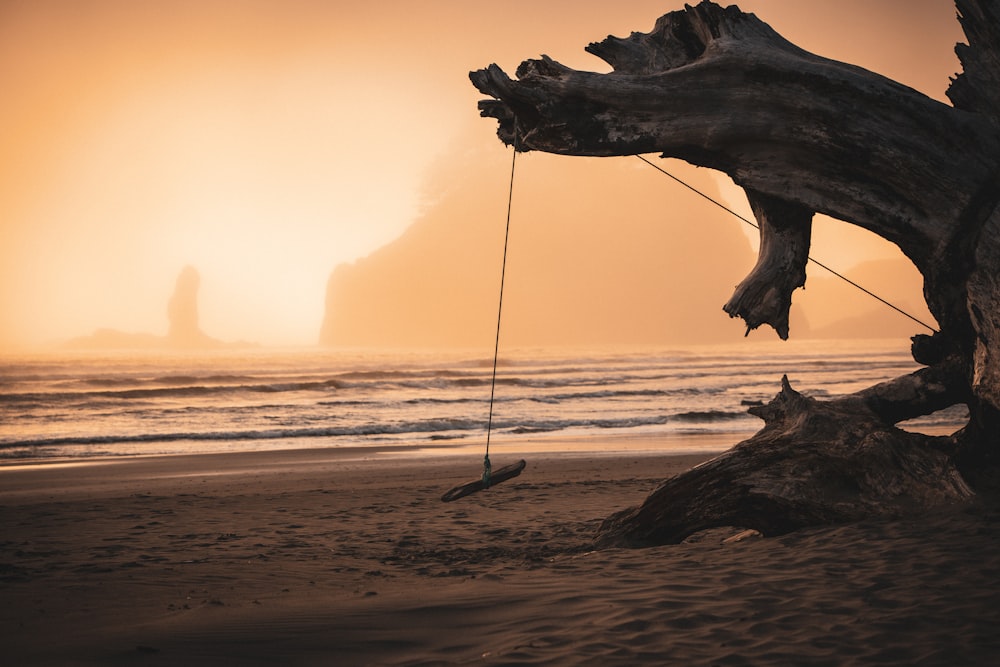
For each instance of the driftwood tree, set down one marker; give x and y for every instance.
(803, 134)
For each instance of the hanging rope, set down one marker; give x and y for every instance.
(487, 467)
(491, 477)
(816, 262)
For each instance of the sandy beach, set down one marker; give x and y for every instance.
(348, 557)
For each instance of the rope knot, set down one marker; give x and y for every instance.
(487, 471)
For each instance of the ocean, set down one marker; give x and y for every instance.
(105, 404)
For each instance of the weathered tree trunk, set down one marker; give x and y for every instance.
(813, 463)
(804, 134)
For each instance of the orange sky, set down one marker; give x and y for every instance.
(267, 142)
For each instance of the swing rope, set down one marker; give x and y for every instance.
(816, 262)
(487, 466)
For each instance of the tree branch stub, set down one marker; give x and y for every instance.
(765, 295)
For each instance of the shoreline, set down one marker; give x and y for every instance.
(111, 476)
(596, 444)
(315, 558)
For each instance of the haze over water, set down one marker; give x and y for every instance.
(266, 144)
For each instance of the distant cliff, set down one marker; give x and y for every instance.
(590, 262)
(837, 310)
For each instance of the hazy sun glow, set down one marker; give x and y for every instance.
(266, 143)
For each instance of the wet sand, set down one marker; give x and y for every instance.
(348, 557)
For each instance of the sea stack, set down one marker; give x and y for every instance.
(182, 312)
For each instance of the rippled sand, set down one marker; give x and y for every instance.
(349, 558)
